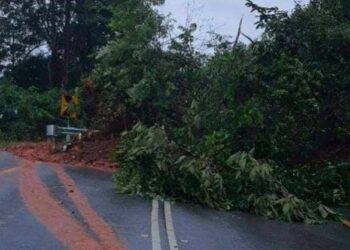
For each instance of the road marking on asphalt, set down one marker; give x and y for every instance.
(155, 226)
(47, 211)
(170, 227)
(103, 230)
(9, 171)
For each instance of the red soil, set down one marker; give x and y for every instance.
(58, 220)
(93, 154)
(103, 231)
(53, 216)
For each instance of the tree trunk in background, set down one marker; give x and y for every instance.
(71, 29)
(67, 39)
(54, 70)
(51, 37)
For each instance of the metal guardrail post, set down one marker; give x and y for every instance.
(53, 131)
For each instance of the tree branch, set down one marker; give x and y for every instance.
(249, 38)
(238, 34)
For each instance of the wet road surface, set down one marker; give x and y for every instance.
(44, 206)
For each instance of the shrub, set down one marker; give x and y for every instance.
(24, 113)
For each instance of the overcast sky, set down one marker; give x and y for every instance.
(222, 16)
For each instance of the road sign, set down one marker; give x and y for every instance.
(69, 106)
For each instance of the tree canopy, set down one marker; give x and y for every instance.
(68, 31)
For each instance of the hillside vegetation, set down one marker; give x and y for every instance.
(261, 127)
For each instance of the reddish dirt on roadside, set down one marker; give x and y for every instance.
(93, 154)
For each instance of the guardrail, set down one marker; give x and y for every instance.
(53, 132)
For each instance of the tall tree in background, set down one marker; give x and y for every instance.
(17, 41)
(70, 30)
(127, 68)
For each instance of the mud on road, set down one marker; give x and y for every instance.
(92, 154)
(53, 206)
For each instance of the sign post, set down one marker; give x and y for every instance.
(69, 110)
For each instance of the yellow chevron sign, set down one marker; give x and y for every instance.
(69, 106)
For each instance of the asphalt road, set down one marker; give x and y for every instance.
(54, 207)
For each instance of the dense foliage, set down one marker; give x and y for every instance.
(261, 127)
(154, 165)
(62, 35)
(284, 97)
(24, 113)
(45, 45)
